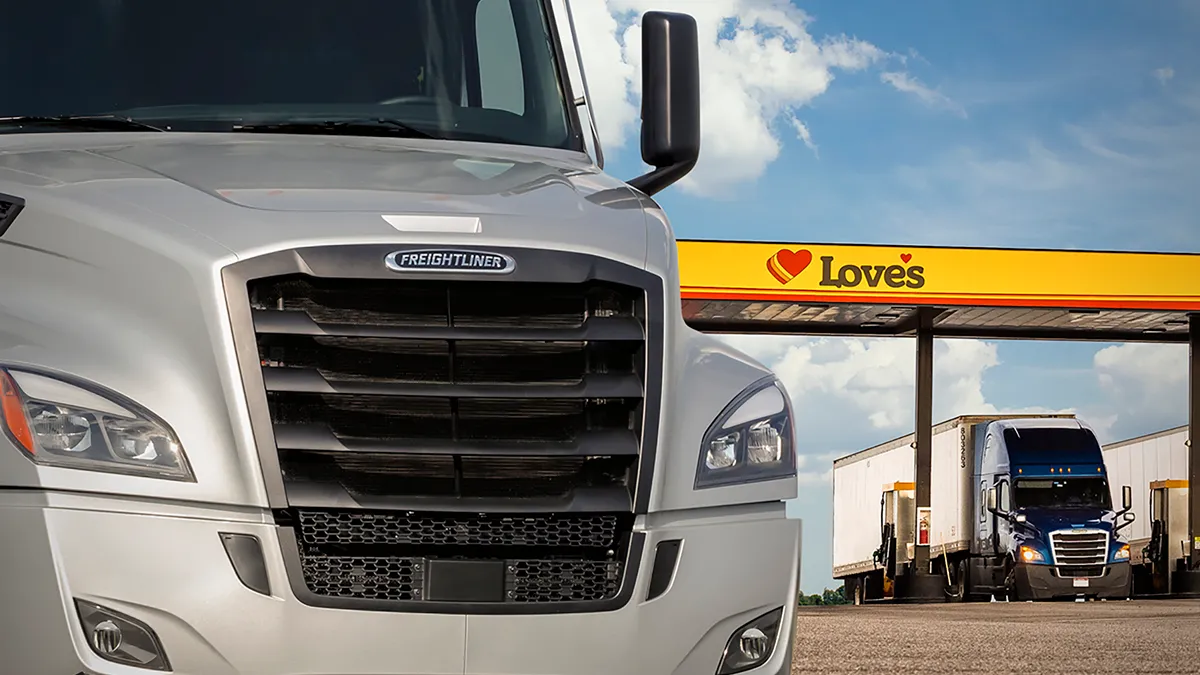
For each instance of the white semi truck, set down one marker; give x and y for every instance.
(1019, 508)
(327, 347)
(1155, 466)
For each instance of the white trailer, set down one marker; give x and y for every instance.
(1155, 466)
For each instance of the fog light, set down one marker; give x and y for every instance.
(106, 637)
(121, 639)
(752, 644)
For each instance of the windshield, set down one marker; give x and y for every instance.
(482, 70)
(1062, 493)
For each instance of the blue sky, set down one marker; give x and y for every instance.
(1022, 124)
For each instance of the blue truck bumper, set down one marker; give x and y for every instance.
(1043, 582)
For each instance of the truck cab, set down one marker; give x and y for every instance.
(327, 345)
(1046, 524)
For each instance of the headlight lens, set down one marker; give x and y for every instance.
(1031, 555)
(1121, 553)
(751, 440)
(59, 424)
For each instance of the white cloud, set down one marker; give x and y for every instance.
(759, 65)
(933, 98)
(1145, 387)
(1163, 75)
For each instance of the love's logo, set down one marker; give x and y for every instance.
(786, 265)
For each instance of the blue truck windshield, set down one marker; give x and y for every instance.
(482, 70)
(1062, 493)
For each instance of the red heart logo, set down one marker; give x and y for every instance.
(906, 257)
(785, 265)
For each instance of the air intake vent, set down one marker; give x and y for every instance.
(10, 207)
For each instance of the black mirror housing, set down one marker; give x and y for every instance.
(992, 502)
(670, 99)
(1126, 497)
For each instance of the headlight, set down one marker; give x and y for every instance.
(61, 424)
(1031, 555)
(751, 440)
(1121, 553)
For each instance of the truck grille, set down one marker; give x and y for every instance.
(419, 424)
(1079, 548)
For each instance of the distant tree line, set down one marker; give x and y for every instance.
(828, 597)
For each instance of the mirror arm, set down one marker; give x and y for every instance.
(661, 178)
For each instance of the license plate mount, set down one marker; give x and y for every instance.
(1082, 582)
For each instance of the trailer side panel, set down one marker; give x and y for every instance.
(857, 490)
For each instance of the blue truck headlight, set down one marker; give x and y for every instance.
(1031, 555)
(61, 424)
(751, 440)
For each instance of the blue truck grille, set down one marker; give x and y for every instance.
(1079, 548)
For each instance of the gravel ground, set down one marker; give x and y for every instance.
(1069, 638)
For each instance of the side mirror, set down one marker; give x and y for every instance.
(670, 99)
(991, 499)
(1127, 517)
(1126, 498)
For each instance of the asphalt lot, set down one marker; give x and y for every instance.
(1067, 638)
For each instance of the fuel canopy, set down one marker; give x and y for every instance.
(938, 292)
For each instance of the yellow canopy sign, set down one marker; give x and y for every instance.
(830, 273)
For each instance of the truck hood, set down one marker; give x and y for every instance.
(254, 193)
(1048, 520)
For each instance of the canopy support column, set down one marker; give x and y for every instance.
(1194, 441)
(923, 436)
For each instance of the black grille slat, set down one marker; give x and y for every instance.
(418, 421)
(511, 421)
(310, 381)
(435, 475)
(279, 322)
(320, 438)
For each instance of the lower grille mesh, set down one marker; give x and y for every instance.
(320, 528)
(364, 578)
(546, 558)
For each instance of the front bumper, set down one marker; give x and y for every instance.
(1041, 582)
(165, 566)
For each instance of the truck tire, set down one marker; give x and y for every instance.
(956, 590)
(1012, 590)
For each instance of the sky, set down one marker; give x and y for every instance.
(1015, 124)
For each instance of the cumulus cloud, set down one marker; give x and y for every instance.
(1145, 387)
(760, 64)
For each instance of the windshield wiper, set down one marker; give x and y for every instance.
(78, 122)
(355, 127)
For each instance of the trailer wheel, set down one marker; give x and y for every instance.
(956, 591)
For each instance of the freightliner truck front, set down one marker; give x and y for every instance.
(327, 347)
(1019, 508)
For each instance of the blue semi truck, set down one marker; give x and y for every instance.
(1020, 509)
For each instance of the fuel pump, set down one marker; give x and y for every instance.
(1168, 550)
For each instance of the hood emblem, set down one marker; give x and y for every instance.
(450, 260)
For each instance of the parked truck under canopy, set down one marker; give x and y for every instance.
(1019, 508)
